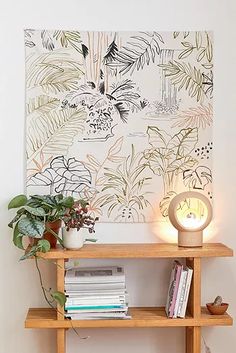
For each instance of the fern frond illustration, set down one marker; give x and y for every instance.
(69, 38)
(41, 104)
(53, 132)
(185, 76)
(54, 72)
(140, 51)
(200, 117)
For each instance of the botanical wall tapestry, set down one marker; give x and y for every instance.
(122, 119)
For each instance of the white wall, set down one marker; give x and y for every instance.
(19, 286)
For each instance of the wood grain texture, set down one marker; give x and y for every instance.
(141, 317)
(60, 285)
(150, 250)
(193, 340)
(194, 302)
(61, 341)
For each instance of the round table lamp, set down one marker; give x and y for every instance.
(190, 212)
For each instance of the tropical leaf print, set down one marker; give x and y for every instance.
(185, 76)
(126, 184)
(67, 38)
(200, 117)
(169, 156)
(41, 104)
(54, 132)
(54, 72)
(66, 176)
(140, 51)
(122, 119)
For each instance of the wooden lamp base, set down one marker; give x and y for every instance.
(190, 239)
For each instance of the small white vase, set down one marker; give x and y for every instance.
(74, 239)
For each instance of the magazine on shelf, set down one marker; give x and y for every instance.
(94, 286)
(97, 310)
(186, 293)
(178, 292)
(95, 275)
(173, 288)
(97, 316)
(96, 293)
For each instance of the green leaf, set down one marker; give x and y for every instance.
(59, 297)
(68, 202)
(17, 238)
(31, 227)
(30, 253)
(17, 201)
(39, 211)
(44, 245)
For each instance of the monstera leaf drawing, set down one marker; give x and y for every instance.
(198, 178)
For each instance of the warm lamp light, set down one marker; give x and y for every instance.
(190, 212)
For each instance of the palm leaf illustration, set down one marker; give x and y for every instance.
(67, 38)
(140, 51)
(185, 76)
(199, 117)
(54, 132)
(53, 73)
(41, 104)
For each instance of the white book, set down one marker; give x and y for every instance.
(97, 298)
(94, 286)
(95, 302)
(95, 275)
(182, 294)
(96, 293)
(186, 294)
(97, 316)
(182, 282)
(123, 309)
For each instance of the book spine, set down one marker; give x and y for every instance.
(182, 293)
(186, 294)
(180, 287)
(175, 289)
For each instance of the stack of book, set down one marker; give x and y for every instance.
(178, 293)
(96, 293)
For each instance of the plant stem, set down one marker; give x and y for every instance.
(50, 302)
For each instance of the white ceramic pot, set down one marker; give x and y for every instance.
(74, 239)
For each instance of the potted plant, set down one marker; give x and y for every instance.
(78, 224)
(31, 221)
(38, 216)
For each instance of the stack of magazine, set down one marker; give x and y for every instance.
(96, 293)
(178, 293)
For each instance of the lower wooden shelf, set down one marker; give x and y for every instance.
(141, 317)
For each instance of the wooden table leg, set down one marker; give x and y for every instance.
(193, 334)
(193, 339)
(61, 341)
